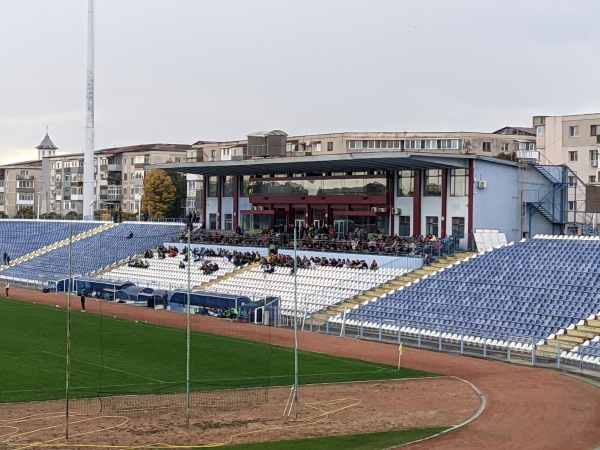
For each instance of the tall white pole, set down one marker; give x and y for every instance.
(295, 323)
(68, 359)
(188, 334)
(88, 153)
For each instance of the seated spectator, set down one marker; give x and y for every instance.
(374, 265)
(130, 235)
(269, 268)
(181, 265)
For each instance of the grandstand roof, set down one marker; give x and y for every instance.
(145, 148)
(330, 163)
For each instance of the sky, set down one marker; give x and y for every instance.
(180, 71)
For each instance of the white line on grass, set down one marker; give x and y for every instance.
(109, 368)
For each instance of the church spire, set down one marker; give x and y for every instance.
(46, 147)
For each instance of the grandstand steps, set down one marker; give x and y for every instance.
(226, 276)
(584, 334)
(320, 317)
(569, 339)
(591, 328)
(572, 338)
(59, 244)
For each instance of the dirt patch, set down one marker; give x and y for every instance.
(323, 410)
(526, 407)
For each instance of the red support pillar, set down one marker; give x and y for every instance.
(391, 196)
(220, 180)
(236, 200)
(470, 227)
(417, 196)
(203, 200)
(444, 201)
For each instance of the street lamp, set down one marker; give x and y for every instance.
(43, 188)
(138, 198)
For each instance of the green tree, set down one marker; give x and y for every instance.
(159, 193)
(180, 184)
(507, 156)
(25, 213)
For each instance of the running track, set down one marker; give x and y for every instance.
(527, 408)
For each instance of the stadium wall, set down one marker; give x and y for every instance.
(495, 206)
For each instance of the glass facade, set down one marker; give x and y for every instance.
(228, 186)
(458, 227)
(213, 184)
(256, 223)
(433, 183)
(459, 182)
(321, 186)
(406, 183)
(404, 226)
(431, 225)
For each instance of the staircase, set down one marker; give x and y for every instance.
(319, 318)
(571, 338)
(58, 244)
(550, 205)
(227, 276)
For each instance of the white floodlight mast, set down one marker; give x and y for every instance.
(88, 152)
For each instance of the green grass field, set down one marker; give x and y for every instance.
(116, 357)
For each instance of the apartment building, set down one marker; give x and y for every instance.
(277, 143)
(573, 141)
(119, 177)
(21, 183)
(120, 173)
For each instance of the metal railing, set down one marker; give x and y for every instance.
(497, 346)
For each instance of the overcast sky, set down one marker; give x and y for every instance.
(179, 71)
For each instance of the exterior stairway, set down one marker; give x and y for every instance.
(320, 317)
(572, 337)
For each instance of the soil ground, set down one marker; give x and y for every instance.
(527, 408)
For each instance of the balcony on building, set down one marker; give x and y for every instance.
(233, 154)
(114, 195)
(532, 156)
(110, 179)
(25, 178)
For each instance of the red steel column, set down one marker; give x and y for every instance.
(220, 180)
(417, 196)
(203, 200)
(236, 200)
(470, 226)
(444, 201)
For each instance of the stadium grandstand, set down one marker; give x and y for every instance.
(432, 251)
